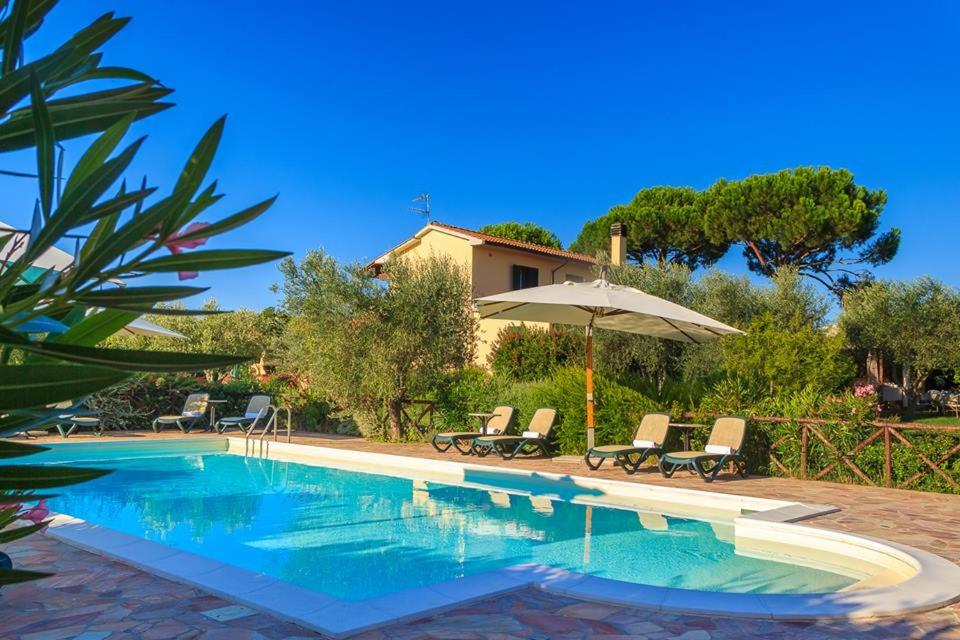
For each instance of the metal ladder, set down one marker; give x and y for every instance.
(250, 446)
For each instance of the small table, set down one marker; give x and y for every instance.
(484, 420)
(213, 413)
(686, 428)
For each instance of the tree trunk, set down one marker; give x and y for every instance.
(395, 412)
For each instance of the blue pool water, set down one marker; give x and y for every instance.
(357, 535)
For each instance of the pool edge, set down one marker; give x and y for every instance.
(328, 615)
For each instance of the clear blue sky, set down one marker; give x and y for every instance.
(545, 112)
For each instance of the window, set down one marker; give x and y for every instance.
(572, 277)
(525, 277)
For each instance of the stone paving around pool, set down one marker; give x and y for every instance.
(92, 598)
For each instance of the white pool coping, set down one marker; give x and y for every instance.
(926, 581)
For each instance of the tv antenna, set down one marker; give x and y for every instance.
(423, 209)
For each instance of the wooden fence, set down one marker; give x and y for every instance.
(417, 416)
(820, 432)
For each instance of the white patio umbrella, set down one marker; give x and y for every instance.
(141, 327)
(607, 306)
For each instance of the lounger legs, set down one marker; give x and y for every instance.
(593, 467)
(436, 446)
(459, 446)
(622, 461)
(668, 468)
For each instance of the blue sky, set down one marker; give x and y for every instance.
(538, 111)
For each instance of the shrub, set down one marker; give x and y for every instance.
(618, 408)
(525, 353)
(134, 403)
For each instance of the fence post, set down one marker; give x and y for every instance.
(804, 436)
(887, 460)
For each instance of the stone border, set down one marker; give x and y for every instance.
(928, 581)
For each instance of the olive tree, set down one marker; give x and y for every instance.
(789, 344)
(369, 345)
(914, 323)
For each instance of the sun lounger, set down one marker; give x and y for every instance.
(257, 409)
(534, 440)
(724, 446)
(647, 441)
(462, 440)
(193, 414)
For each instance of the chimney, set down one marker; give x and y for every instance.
(618, 243)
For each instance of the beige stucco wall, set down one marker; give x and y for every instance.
(490, 272)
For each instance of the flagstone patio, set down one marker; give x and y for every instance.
(92, 598)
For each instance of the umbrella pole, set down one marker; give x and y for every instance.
(589, 386)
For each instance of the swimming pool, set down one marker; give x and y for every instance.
(355, 535)
(371, 540)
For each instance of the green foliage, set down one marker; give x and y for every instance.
(370, 347)
(914, 323)
(134, 403)
(51, 323)
(253, 333)
(618, 408)
(727, 298)
(523, 232)
(817, 220)
(787, 346)
(524, 353)
(665, 225)
(788, 357)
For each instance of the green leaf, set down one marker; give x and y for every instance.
(199, 161)
(206, 199)
(26, 477)
(76, 208)
(231, 222)
(126, 360)
(16, 576)
(9, 336)
(20, 292)
(10, 449)
(97, 153)
(125, 238)
(132, 296)
(45, 143)
(77, 120)
(35, 14)
(103, 73)
(13, 41)
(36, 385)
(116, 205)
(97, 327)
(171, 311)
(212, 260)
(10, 535)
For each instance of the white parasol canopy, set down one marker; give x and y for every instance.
(607, 306)
(141, 327)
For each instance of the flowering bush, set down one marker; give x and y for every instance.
(864, 389)
(524, 353)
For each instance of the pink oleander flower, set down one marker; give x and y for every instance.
(177, 247)
(37, 513)
(864, 389)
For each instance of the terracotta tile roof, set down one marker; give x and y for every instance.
(516, 244)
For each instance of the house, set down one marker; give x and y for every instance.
(496, 265)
